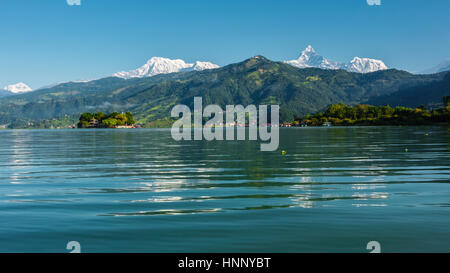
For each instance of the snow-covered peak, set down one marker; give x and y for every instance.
(154, 66)
(199, 66)
(308, 49)
(309, 58)
(18, 88)
(159, 65)
(365, 65)
(309, 55)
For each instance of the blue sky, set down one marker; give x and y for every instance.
(48, 41)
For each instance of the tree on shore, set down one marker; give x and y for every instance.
(102, 120)
(361, 114)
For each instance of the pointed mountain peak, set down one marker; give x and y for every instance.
(308, 49)
(309, 58)
(308, 53)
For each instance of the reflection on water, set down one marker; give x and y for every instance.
(334, 189)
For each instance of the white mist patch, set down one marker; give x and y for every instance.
(73, 2)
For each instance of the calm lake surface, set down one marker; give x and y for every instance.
(335, 190)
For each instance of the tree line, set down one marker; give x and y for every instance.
(362, 114)
(102, 120)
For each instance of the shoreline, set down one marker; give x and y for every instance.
(280, 127)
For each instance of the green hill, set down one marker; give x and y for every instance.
(254, 81)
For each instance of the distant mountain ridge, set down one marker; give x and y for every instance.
(426, 94)
(160, 65)
(309, 58)
(254, 81)
(5, 93)
(442, 67)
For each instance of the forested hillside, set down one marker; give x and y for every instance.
(254, 81)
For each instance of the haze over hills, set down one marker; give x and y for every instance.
(444, 66)
(309, 58)
(426, 94)
(5, 93)
(253, 81)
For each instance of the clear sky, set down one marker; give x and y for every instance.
(48, 41)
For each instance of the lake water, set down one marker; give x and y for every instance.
(335, 190)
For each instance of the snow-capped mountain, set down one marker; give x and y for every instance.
(365, 65)
(199, 66)
(159, 65)
(309, 58)
(18, 88)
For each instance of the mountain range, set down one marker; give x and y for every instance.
(158, 65)
(309, 58)
(254, 81)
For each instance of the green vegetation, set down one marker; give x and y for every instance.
(360, 114)
(102, 120)
(160, 123)
(257, 81)
(66, 121)
(447, 101)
